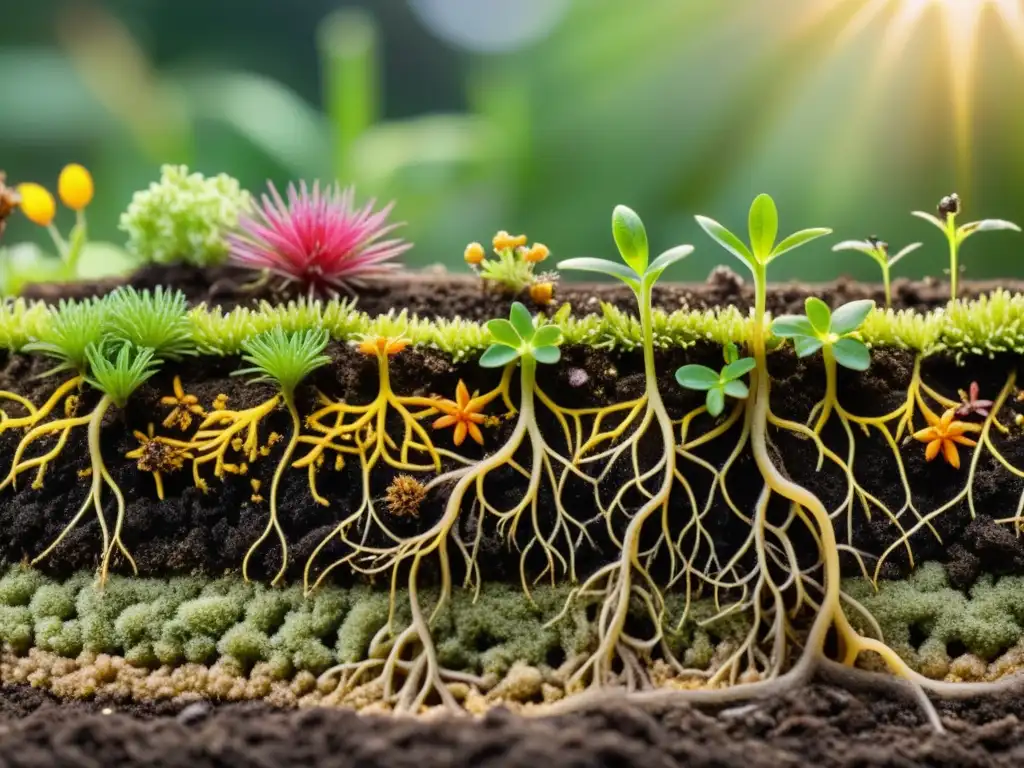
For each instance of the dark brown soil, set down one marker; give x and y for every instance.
(435, 293)
(818, 726)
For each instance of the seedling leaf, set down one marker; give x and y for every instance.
(792, 326)
(739, 368)
(909, 249)
(521, 320)
(604, 267)
(498, 356)
(503, 332)
(737, 389)
(807, 345)
(698, 377)
(849, 317)
(547, 336)
(666, 260)
(852, 354)
(763, 222)
(630, 237)
(715, 401)
(856, 245)
(930, 218)
(819, 314)
(727, 240)
(547, 355)
(798, 239)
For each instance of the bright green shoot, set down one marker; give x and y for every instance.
(949, 208)
(719, 384)
(72, 327)
(518, 337)
(832, 331)
(118, 378)
(638, 272)
(879, 251)
(158, 320)
(285, 358)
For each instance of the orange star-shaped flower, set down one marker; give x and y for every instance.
(943, 435)
(382, 345)
(463, 413)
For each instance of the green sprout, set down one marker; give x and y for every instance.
(879, 251)
(286, 359)
(117, 377)
(949, 208)
(829, 331)
(718, 384)
(157, 320)
(518, 337)
(72, 327)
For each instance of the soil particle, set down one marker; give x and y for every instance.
(820, 726)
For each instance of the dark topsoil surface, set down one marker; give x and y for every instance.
(819, 726)
(435, 293)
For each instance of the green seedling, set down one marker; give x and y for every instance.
(879, 251)
(949, 208)
(518, 337)
(719, 384)
(829, 331)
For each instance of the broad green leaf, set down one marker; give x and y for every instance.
(849, 317)
(503, 332)
(819, 314)
(763, 222)
(666, 260)
(736, 389)
(909, 249)
(806, 345)
(698, 377)
(852, 354)
(735, 370)
(498, 356)
(715, 401)
(930, 219)
(547, 336)
(727, 240)
(798, 239)
(604, 267)
(792, 326)
(631, 238)
(521, 320)
(547, 355)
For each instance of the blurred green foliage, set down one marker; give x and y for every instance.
(673, 108)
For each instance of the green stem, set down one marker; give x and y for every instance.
(953, 254)
(829, 359)
(885, 283)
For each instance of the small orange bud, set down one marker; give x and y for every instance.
(37, 204)
(542, 293)
(474, 253)
(537, 253)
(504, 241)
(75, 187)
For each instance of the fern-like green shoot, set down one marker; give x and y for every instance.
(285, 358)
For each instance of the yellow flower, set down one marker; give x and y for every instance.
(536, 253)
(184, 407)
(37, 203)
(382, 346)
(503, 240)
(75, 187)
(542, 293)
(474, 253)
(943, 435)
(463, 413)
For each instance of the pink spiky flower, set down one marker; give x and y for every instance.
(319, 238)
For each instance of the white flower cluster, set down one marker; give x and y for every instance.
(184, 217)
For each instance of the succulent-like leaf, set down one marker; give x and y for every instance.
(798, 239)
(763, 222)
(547, 336)
(503, 332)
(698, 377)
(498, 356)
(792, 326)
(727, 240)
(807, 345)
(521, 320)
(737, 389)
(603, 267)
(819, 314)
(715, 401)
(664, 261)
(630, 237)
(548, 355)
(852, 354)
(739, 368)
(849, 317)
